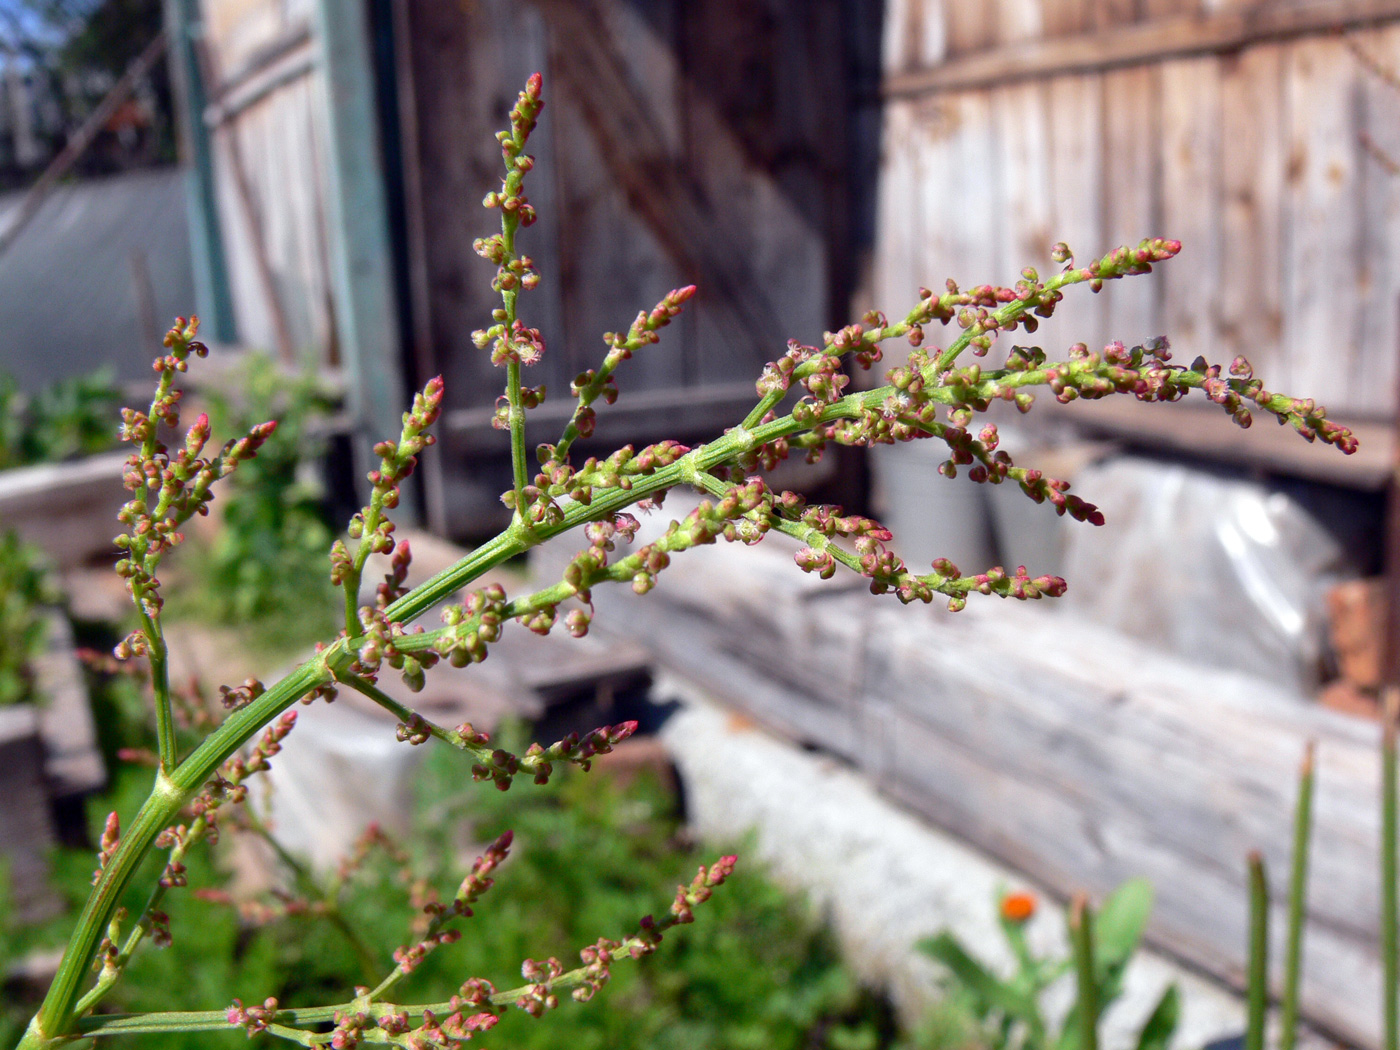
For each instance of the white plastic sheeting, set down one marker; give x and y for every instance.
(1215, 569)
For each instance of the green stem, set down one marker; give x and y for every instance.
(158, 657)
(1258, 991)
(1297, 901)
(407, 715)
(171, 793)
(1081, 935)
(1390, 937)
(293, 1019)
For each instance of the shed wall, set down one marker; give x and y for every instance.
(1228, 126)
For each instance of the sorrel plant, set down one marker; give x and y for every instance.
(935, 396)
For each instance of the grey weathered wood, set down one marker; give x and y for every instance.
(1253, 224)
(1321, 259)
(1203, 431)
(1077, 754)
(73, 764)
(1076, 217)
(68, 509)
(26, 831)
(1131, 194)
(1190, 168)
(1120, 42)
(1378, 338)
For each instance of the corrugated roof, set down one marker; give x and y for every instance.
(68, 299)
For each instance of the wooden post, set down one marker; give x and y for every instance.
(1390, 567)
(362, 264)
(213, 300)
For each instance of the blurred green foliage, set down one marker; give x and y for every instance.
(24, 587)
(268, 567)
(71, 417)
(756, 971)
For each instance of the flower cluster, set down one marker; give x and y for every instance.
(169, 489)
(933, 397)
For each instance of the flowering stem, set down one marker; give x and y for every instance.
(158, 656)
(160, 810)
(290, 1023)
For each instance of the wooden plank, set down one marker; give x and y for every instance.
(958, 179)
(1065, 17)
(1196, 429)
(639, 415)
(362, 257)
(1191, 206)
(1076, 188)
(1093, 774)
(1015, 20)
(633, 147)
(1322, 257)
(1176, 37)
(1378, 343)
(899, 232)
(1253, 221)
(916, 34)
(1108, 14)
(1022, 121)
(1081, 774)
(971, 27)
(1131, 195)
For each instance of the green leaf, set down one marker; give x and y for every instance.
(991, 991)
(1119, 924)
(1159, 1028)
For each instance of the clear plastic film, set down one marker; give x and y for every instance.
(1218, 570)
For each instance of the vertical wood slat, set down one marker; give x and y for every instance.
(899, 226)
(1076, 177)
(971, 27)
(916, 34)
(1378, 342)
(1252, 127)
(1321, 264)
(1021, 120)
(1190, 180)
(1131, 194)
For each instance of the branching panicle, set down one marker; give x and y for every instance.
(931, 397)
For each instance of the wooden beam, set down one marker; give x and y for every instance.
(366, 307)
(1144, 42)
(1208, 433)
(637, 415)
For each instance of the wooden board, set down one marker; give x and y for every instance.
(1378, 102)
(1253, 220)
(1322, 254)
(1190, 178)
(1131, 194)
(1076, 754)
(1117, 37)
(1076, 217)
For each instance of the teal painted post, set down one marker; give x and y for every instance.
(213, 299)
(366, 308)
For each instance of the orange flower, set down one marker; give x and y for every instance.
(1017, 907)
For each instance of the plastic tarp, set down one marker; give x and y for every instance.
(1217, 570)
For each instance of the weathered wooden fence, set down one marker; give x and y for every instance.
(1240, 128)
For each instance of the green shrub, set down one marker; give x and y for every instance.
(24, 587)
(761, 974)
